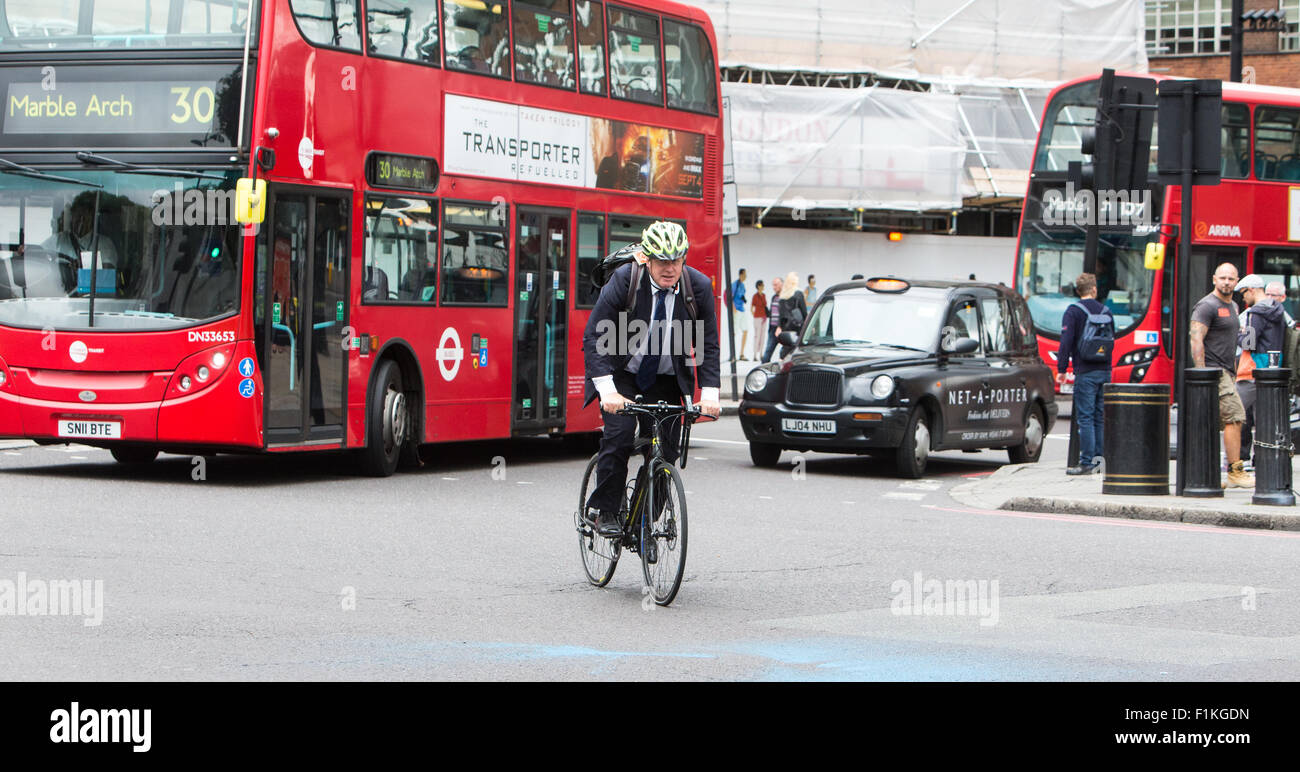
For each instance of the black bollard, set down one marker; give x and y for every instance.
(1272, 438)
(1136, 438)
(1202, 476)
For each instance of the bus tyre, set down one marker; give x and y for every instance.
(764, 455)
(134, 455)
(1031, 448)
(389, 422)
(915, 448)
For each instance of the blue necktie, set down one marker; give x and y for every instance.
(649, 368)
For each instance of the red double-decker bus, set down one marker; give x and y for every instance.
(1251, 219)
(439, 178)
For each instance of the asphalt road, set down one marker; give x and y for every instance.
(282, 568)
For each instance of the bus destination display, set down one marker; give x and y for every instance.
(403, 172)
(110, 107)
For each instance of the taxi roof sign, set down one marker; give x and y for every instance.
(883, 284)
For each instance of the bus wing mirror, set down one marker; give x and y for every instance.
(1155, 257)
(250, 201)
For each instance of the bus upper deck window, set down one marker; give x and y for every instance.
(591, 46)
(544, 43)
(328, 23)
(634, 56)
(688, 62)
(404, 29)
(476, 37)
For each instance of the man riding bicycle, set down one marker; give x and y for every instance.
(663, 364)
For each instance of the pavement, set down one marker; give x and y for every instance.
(1045, 487)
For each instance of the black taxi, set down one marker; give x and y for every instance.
(897, 368)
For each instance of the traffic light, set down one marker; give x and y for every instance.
(1117, 149)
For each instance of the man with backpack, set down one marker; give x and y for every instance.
(1087, 338)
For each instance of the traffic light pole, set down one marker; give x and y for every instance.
(1182, 338)
(1234, 60)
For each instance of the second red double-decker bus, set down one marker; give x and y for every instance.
(1251, 219)
(440, 176)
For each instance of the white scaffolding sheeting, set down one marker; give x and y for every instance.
(1010, 41)
(879, 148)
(871, 148)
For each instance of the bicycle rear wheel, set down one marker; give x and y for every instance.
(663, 538)
(599, 553)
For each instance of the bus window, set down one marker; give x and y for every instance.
(404, 29)
(626, 230)
(475, 259)
(328, 22)
(591, 46)
(1235, 142)
(688, 61)
(544, 43)
(591, 248)
(1277, 152)
(401, 256)
(634, 56)
(476, 37)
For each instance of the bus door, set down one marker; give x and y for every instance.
(301, 314)
(1201, 270)
(541, 320)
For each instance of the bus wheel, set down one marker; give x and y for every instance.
(132, 455)
(389, 423)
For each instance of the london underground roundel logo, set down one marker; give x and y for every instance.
(449, 354)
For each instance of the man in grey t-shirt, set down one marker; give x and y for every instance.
(1214, 344)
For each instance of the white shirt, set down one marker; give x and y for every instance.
(605, 383)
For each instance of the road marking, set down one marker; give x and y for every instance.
(924, 485)
(79, 458)
(700, 458)
(1123, 523)
(523, 482)
(452, 479)
(848, 502)
(12, 453)
(904, 496)
(727, 442)
(769, 498)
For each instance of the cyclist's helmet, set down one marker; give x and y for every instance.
(664, 240)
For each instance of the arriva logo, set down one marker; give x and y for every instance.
(1221, 231)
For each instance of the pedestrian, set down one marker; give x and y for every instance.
(1263, 329)
(794, 309)
(811, 294)
(1084, 340)
(1277, 293)
(758, 310)
(739, 316)
(1213, 340)
(773, 319)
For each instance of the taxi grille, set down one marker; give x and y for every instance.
(815, 387)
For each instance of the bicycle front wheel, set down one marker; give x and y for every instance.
(599, 553)
(663, 534)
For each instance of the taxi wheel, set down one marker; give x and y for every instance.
(1028, 451)
(915, 450)
(764, 455)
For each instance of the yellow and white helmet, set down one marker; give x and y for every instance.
(664, 240)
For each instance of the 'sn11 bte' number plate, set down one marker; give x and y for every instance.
(107, 430)
(807, 425)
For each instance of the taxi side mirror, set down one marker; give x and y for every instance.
(961, 346)
(788, 339)
(250, 201)
(1155, 257)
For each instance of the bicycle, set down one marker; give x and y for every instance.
(653, 516)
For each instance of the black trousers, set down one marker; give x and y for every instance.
(620, 433)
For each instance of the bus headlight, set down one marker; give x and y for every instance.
(756, 381)
(203, 373)
(185, 383)
(882, 386)
(3, 378)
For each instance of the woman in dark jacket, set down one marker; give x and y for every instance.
(794, 309)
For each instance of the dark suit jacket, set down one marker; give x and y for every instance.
(613, 301)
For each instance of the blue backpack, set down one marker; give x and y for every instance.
(1097, 341)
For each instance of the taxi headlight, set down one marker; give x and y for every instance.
(756, 381)
(882, 386)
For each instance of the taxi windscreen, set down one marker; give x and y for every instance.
(909, 321)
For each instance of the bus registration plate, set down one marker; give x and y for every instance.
(107, 430)
(807, 425)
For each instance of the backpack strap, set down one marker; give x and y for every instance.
(688, 294)
(633, 286)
